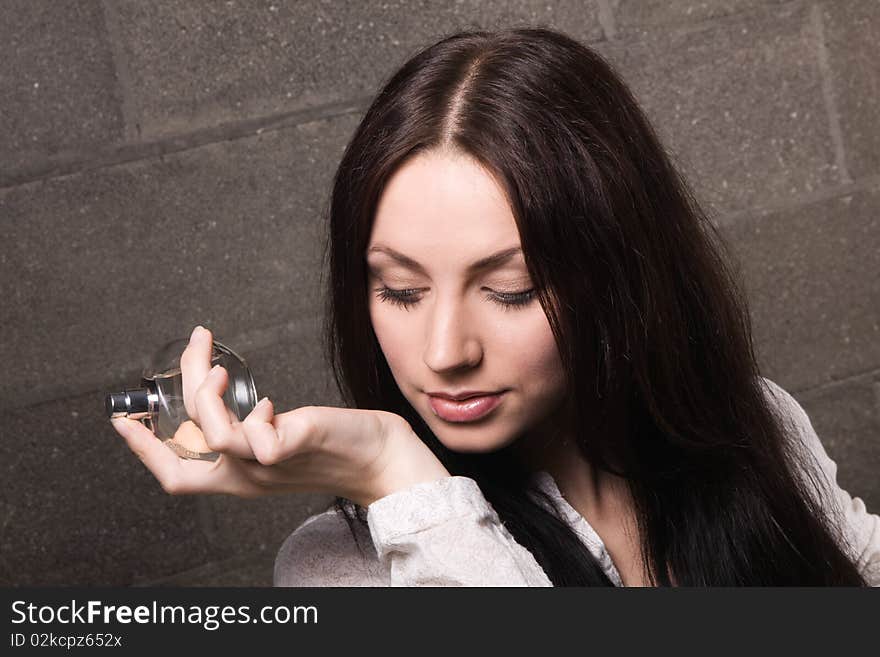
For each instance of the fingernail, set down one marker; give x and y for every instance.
(263, 401)
(215, 370)
(196, 331)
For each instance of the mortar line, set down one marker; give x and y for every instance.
(72, 163)
(674, 30)
(130, 109)
(837, 383)
(825, 75)
(244, 343)
(818, 196)
(606, 18)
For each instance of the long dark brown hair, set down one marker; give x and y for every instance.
(651, 326)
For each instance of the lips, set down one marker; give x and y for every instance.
(467, 410)
(466, 394)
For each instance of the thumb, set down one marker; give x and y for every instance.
(142, 441)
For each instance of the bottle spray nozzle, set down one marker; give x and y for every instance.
(133, 402)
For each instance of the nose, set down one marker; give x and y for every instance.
(452, 340)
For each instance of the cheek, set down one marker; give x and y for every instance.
(540, 368)
(392, 336)
(530, 345)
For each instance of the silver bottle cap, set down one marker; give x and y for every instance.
(133, 403)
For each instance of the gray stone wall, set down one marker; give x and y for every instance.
(165, 164)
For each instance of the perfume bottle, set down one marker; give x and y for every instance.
(158, 402)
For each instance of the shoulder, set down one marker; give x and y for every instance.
(799, 427)
(785, 404)
(800, 431)
(859, 528)
(323, 552)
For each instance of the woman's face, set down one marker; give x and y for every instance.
(444, 213)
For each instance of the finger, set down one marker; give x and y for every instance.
(261, 434)
(184, 476)
(222, 430)
(195, 363)
(161, 461)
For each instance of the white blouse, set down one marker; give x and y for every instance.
(445, 533)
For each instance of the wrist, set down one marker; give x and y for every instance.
(409, 462)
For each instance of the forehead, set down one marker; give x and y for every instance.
(443, 199)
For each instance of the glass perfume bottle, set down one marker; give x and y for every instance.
(158, 402)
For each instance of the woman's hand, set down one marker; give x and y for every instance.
(361, 455)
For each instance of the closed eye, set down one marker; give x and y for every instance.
(407, 298)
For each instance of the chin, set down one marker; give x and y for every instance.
(472, 440)
(468, 448)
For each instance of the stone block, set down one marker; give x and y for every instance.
(57, 80)
(738, 103)
(80, 509)
(811, 276)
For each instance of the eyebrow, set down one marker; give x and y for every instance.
(495, 260)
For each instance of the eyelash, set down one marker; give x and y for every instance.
(506, 301)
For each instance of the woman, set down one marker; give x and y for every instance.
(504, 223)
